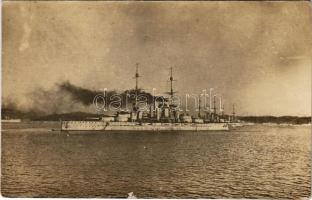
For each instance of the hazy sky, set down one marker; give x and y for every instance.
(256, 54)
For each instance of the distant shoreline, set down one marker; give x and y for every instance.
(276, 120)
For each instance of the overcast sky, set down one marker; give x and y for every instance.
(256, 54)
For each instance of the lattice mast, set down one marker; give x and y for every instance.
(171, 83)
(136, 76)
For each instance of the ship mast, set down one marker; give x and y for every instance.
(214, 104)
(171, 83)
(233, 113)
(171, 92)
(220, 106)
(137, 77)
(199, 102)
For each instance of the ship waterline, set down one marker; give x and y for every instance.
(134, 126)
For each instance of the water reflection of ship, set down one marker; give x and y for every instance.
(165, 114)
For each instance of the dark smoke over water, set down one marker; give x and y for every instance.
(79, 94)
(86, 96)
(66, 98)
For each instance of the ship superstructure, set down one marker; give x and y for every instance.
(164, 115)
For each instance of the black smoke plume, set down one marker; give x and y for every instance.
(82, 95)
(86, 96)
(66, 98)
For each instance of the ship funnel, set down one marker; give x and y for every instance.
(210, 100)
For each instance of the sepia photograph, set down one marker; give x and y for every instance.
(156, 99)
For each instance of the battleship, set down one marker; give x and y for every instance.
(160, 116)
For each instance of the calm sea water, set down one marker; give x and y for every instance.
(250, 162)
